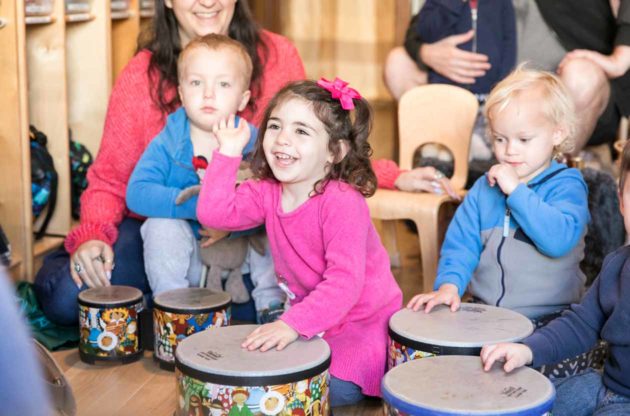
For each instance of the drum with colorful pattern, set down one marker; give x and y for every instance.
(457, 385)
(442, 332)
(179, 313)
(216, 376)
(108, 322)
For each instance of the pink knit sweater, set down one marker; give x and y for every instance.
(330, 257)
(133, 120)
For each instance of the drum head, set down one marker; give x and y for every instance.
(216, 356)
(473, 325)
(457, 385)
(191, 300)
(110, 296)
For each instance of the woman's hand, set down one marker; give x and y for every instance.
(514, 355)
(232, 139)
(92, 264)
(447, 294)
(276, 334)
(426, 179)
(211, 236)
(456, 64)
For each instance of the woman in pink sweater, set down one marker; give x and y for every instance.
(313, 170)
(144, 94)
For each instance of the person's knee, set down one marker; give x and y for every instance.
(586, 82)
(165, 229)
(401, 73)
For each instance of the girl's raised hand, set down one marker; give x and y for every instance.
(276, 334)
(447, 294)
(514, 355)
(232, 139)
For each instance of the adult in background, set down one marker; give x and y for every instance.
(586, 42)
(144, 94)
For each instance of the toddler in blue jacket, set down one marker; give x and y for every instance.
(518, 237)
(603, 313)
(214, 74)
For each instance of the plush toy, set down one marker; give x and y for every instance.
(227, 254)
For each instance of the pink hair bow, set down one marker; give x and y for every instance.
(339, 90)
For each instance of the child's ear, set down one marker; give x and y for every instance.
(168, 3)
(560, 134)
(344, 148)
(244, 100)
(179, 92)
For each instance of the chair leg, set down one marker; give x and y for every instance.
(388, 237)
(428, 235)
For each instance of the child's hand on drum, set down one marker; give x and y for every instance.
(514, 355)
(276, 334)
(447, 294)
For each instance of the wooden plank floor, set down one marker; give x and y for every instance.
(142, 388)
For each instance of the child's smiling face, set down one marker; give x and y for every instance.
(296, 144)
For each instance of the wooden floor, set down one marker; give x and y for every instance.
(142, 388)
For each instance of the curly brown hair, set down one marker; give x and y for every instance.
(353, 127)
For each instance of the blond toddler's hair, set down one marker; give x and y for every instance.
(556, 103)
(215, 42)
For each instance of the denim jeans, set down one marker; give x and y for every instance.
(344, 393)
(585, 394)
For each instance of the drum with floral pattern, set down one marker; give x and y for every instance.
(179, 313)
(215, 376)
(108, 324)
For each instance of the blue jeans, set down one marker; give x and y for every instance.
(57, 294)
(585, 394)
(344, 393)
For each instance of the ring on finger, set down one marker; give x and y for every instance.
(438, 175)
(77, 267)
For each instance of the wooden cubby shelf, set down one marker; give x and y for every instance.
(57, 75)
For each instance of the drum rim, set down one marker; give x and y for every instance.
(546, 404)
(131, 302)
(157, 307)
(252, 381)
(435, 349)
(463, 344)
(173, 309)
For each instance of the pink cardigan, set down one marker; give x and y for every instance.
(330, 257)
(133, 120)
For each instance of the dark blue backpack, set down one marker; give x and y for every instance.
(44, 180)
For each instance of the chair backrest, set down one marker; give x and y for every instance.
(437, 113)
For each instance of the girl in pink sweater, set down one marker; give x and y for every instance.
(313, 170)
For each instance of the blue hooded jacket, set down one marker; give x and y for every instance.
(165, 168)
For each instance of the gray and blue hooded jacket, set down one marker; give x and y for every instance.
(165, 168)
(521, 252)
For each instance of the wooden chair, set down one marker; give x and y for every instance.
(435, 113)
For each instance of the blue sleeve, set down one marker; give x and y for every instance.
(437, 19)
(508, 51)
(575, 332)
(462, 246)
(249, 148)
(555, 224)
(147, 191)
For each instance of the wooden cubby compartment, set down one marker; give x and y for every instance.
(56, 73)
